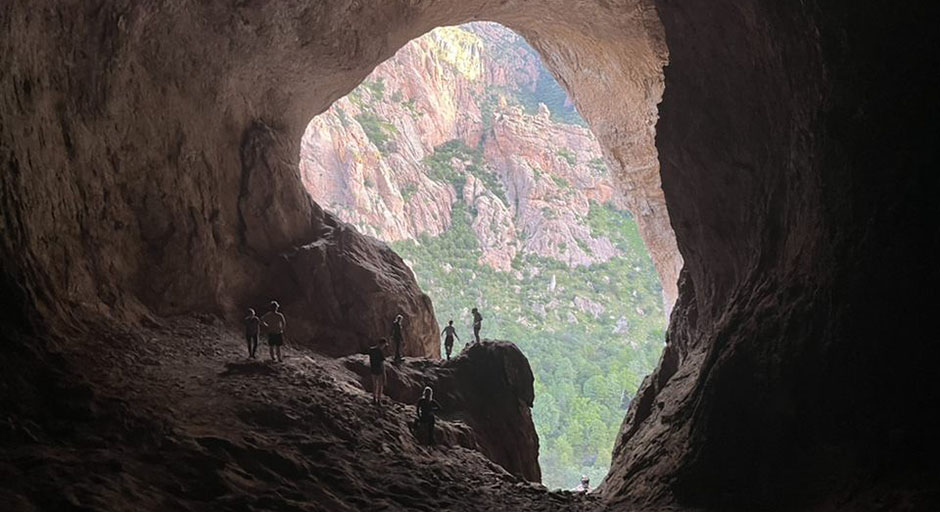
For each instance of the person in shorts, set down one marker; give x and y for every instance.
(448, 333)
(477, 323)
(275, 322)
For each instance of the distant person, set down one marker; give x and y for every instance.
(397, 338)
(585, 485)
(377, 369)
(275, 322)
(477, 323)
(449, 332)
(425, 410)
(252, 330)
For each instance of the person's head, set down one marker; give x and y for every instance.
(450, 323)
(585, 480)
(474, 310)
(275, 306)
(398, 319)
(428, 393)
(251, 312)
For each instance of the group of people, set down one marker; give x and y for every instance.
(274, 323)
(426, 406)
(449, 333)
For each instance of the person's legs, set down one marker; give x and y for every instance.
(278, 350)
(476, 333)
(376, 388)
(254, 345)
(398, 350)
(431, 432)
(271, 348)
(248, 339)
(447, 349)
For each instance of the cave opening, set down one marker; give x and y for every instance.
(473, 163)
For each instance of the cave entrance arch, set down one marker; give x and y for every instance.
(465, 154)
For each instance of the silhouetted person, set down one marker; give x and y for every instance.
(425, 410)
(275, 323)
(477, 323)
(449, 332)
(397, 338)
(377, 369)
(252, 330)
(585, 485)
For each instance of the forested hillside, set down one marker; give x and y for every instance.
(465, 154)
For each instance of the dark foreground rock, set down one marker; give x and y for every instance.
(487, 388)
(185, 422)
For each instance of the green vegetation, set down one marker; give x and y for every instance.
(441, 169)
(567, 155)
(587, 366)
(377, 88)
(377, 130)
(412, 109)
(408, 191)
(598, 165)
(561, 182)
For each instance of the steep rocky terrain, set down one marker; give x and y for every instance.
(187, 422)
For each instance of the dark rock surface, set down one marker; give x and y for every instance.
(487, 387)
(186, 422)
(795, 146)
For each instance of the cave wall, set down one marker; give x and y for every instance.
(149, 154)
(794, 146)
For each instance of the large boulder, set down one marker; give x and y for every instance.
(488, 387)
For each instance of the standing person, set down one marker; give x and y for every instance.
(449, 332)
(275, 323)
(252, 330)
(585, 485)
(477, 323)
(377, 369)
(425, 410)
(397, 338)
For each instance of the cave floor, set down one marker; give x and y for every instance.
(185, 421)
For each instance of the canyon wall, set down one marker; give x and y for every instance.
(150, 149)
(460, 114)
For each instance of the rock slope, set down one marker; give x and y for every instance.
(187, 422)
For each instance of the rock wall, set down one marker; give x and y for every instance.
(149, 155)
(793, 165)
(367, 157)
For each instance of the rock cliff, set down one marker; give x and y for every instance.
(383, 158)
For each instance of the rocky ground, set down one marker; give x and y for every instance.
(185, 421)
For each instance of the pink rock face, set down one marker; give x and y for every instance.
(456, 83)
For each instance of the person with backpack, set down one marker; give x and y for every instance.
(477, 323)
(449, 332)
(377, 370)
(425, 410)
